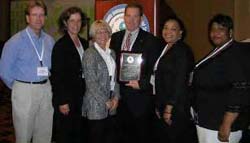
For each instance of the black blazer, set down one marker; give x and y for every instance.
(145, 43)
(219, 86)
(171, 79)
(68, 86)
(1, 48)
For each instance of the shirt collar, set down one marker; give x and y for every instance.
(136, 31)
(99, 49)
(33, 34)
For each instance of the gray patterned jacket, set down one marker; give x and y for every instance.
(97, 85)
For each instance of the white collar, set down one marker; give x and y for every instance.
(136, 31)
(101, 50)
(33, 34)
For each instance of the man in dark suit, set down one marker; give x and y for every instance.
(135, 109)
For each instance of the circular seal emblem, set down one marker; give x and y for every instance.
(130, 59)
(114, 17)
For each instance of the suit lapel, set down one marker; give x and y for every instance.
(213, 54)
(84, 43)
(100, 59)
(203, 59)
(72, 47)
(137, 46)
(120, 39)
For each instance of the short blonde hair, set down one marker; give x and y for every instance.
(97, 25)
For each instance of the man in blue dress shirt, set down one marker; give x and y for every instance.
(24, 68)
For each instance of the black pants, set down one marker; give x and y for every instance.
(134, 129)
(102, 131)
(69, 128)
(245, 136)
(178, 132)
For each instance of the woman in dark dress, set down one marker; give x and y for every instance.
(67, 77)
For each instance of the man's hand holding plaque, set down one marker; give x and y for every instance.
(130, 67)
(134, 84)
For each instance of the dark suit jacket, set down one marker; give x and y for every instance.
(219, 86)
(1, 48)
(171, 79)
(67, 83)
(138, 101)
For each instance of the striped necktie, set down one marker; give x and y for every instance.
(127, 44)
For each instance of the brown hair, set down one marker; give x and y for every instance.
(35, 3)
(66, 15)
(135, 5)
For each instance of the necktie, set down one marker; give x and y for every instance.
(127, 44)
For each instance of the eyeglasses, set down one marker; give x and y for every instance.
(37, 15)
(101, 32)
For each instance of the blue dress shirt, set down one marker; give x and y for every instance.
(19, 59)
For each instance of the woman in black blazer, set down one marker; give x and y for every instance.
(171, 83)
(68, 83)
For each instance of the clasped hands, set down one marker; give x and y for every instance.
(112, 104)
(166, 115)
(64, 109)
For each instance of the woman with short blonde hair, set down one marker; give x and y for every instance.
(102, 91)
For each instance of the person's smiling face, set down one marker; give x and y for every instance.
(132, 18)
(36, 18)
(219, 34)
(171, 31)
(74, 23)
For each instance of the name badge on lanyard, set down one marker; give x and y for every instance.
(41, 70)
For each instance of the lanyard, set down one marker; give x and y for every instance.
(214, 53)
(152, 78)
(208, 57)
(162, 53)
(34, 46)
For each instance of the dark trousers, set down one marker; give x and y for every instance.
(69, 128)
(178, 132)
(134, 129)
(245, 136)
(102, 131)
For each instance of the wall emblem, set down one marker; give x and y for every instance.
(114, 17)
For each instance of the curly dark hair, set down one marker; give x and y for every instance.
(180, 23)
(66, 15)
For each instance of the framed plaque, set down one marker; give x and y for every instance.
(130, 66)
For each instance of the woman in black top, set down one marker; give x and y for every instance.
(68, 83)
(172, 71)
